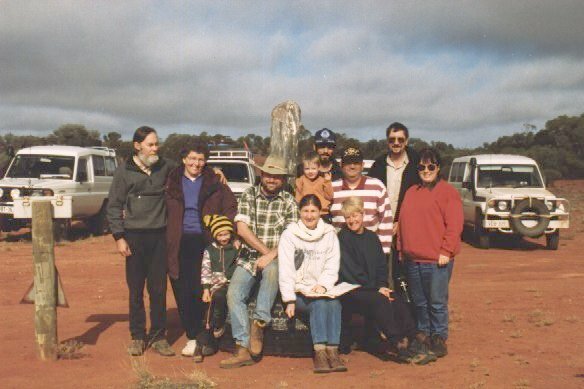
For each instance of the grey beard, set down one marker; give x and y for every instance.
(148, 160)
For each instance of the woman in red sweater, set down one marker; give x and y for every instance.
(431, 220)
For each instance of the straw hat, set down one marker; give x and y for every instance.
(274, 165)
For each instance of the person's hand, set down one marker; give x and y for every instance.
(290, 309)
(220, 175)
(265, 259)
(206, 296)
(386, 292)
(395, 228)
(327, 176)
(443, 260)
(318, 289)
(237, 244)
(123, 247)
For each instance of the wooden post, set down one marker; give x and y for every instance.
(45, 307)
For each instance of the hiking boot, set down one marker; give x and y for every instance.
(334, 360)
(321, 362)
(208, 350)
(189, 349)
(438, 346)
(241, 357)
(136, 347)
(163, 348)
(419, 350)
(218, 332)
(256, 337)
(198, 354)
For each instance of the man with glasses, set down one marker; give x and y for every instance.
(325, 143)
(398, 171)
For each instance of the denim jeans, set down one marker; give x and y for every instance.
(324, 317)
(238, 293)
(428, 284)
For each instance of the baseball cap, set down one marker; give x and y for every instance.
(351, 155)
(325, 137)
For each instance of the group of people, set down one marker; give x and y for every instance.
(333, 247)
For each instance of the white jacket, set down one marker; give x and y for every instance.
(321, 259)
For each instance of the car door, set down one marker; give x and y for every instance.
(468, 202)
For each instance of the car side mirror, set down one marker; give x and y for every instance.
(81, 177)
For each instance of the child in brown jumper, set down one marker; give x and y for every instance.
(312, 182)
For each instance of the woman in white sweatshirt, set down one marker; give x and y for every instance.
(309, 260)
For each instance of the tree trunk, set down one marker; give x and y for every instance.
(286, 127)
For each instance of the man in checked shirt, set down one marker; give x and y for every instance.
(263, 213)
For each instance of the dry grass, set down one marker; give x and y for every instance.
(540, 318)
(282, 384)
(572, 319)
(146, 380)
(509, 318)
(71, 349)
(521, 361)
(478, 385)
(516, 334)
(522, 383)
(474, 363)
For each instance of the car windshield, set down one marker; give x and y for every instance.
(508, 176)
(234, 172)
(41, 166)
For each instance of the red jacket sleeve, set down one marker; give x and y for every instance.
(453, 221)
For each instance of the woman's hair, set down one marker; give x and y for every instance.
(196, 147)
(141, 133)
(431, 155)
(311, 157)
(310, 199)
(352, 204)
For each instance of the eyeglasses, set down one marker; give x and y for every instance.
(398, 140)
(431, 167)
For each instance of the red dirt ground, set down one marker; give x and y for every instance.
(516, 321)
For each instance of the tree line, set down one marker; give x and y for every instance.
(558, 147)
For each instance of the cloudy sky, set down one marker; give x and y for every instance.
(459, 71)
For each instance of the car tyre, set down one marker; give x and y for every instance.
(62, 230)
(552, 241)
(98, 225)
(482, 237)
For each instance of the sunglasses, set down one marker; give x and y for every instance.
(431, 167)
(398, 140)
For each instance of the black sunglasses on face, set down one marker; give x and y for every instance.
(398, 140)
(431, 167)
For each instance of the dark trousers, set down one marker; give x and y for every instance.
(215, 316)
(187, 287)
(393, 318)
(147, 264)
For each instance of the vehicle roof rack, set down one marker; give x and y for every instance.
(231, 154)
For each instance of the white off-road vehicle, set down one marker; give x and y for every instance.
(237, 166)
(75, 179)
(507, 194)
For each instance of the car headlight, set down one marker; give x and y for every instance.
(15, 193)
(502, 205)
(1, 192)
(549, 205)
(41, 192)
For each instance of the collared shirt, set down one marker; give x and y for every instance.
(192, 215)
(394, 179)
(266, 217)
(144, 168)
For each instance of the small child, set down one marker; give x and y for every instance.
(312, 182)
(219, 263)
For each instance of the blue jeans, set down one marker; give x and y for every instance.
(324, 316)
(238, 293)
(428, 284)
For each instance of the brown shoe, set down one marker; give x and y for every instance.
(163, 348)
(240, 358)
(198, 354)
(256, 337)
(136, 347)
(335, 360)
(321, 362)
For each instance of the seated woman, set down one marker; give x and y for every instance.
(308, 255)
(431, 221)
(363, 263)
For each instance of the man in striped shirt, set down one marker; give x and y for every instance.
(378, 217)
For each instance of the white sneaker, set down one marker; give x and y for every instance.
(189, 349)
